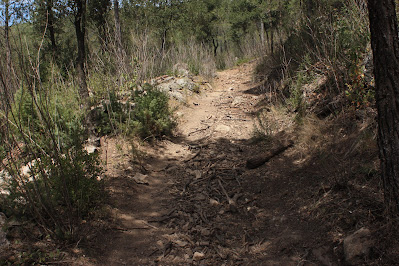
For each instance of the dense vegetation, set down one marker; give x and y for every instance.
(66, 65)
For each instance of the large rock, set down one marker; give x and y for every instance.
(175, 87)
(357, 246)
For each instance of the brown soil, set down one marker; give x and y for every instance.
(203, 206)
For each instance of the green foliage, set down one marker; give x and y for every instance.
(358, 90)
(152, 116)
(109, 115)
(53, 180)
(66, 184)
(145, 113)
(61, 109)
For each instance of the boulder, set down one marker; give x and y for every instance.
(357, 246)
(176, 87)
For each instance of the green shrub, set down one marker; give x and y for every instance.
(53, 180)
(145, 113)
(110, 115)
(152, 116)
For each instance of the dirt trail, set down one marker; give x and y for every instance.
(201, 205)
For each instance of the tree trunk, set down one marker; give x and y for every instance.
(10, 86)
(7, 35)
(272, 41)
(50, 14)
(215, 46)
(385, 45)
(262, 32)
(80, 28)
(118, 33)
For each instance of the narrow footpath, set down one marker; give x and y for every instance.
(195, 202)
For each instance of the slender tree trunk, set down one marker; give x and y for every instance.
(50, 14)
(164, 40)
(118, 33)
(80, 28)
(10, 86)
(385, 45)
(271, 42)
(7, 35)
(262, 32)
(215, 46)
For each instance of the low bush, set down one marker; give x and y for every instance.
(152, 116)
(49, 177)
(145, 113)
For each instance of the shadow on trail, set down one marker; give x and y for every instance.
(203, 205)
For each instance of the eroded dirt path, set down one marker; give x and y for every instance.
(200, 204)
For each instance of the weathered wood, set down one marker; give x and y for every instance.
(261, 159)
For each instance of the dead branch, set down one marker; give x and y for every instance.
(230, 200)
(261, 159)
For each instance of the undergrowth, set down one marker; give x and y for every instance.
(144, 113)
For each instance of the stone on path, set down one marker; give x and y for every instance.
(198, 256)
(357, 246)
(222, 128)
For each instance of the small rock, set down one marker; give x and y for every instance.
(213, 202)
(237, 101)
(180, 243)
(200, 197)
(198, 174)
(357, 246)
(141, 179)
(90, 149)
(222, 128)
(198, 256)
(205, 232)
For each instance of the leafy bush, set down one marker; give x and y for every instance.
(152, 116)
(328, 39)
(109, 115)
(145, 113)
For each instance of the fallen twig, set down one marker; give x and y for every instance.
(198, 130)
(230, 200)
(260, 160)
(193, 157)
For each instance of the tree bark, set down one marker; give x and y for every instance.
(7, 35)
(262, 32)
(50, 14)
(80, 28)
(215, 46)
(10, 78)
(385, 45)
(118, 33)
